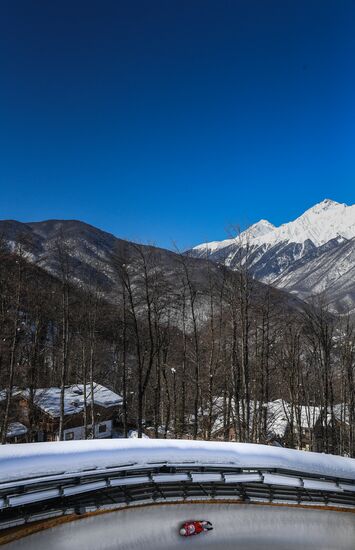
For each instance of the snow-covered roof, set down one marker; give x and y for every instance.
(48, 399)
(15, 429)
(218, 407)
(3, 393)
(280, 413)
(40, 459)
(277, 417)
(340, 413)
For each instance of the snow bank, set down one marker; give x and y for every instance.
(39, 459)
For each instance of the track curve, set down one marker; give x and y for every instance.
(236, 526)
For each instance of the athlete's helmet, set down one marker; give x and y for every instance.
(183, 531)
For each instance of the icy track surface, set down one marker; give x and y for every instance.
(244, 527)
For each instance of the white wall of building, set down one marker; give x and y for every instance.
(79, 432)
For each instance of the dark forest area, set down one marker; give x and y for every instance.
(194, 349)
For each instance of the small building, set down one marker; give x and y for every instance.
(43, 412)
(16, 433)
(276, 422)
(332, 430)
(229, 421)
(292, 425)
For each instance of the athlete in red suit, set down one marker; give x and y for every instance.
(195, 527)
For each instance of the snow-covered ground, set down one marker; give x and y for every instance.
(37, 459)
(244, 527)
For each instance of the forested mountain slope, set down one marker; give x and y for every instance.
(173, 335)
(90, 257)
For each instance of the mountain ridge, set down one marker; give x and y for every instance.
(283, 256)
(92, 254)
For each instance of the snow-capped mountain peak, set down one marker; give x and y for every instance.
(259, 229)
(324, 205)
(313, 253)
(323, 222)
(320, 224)
(250, 235)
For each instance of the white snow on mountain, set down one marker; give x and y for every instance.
(320, 224)
(309, 256)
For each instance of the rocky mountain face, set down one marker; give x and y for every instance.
(311, 256)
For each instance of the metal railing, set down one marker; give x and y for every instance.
(32, 499)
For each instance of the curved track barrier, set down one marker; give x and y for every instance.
(41, 481)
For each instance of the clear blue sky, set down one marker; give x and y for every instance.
(169, 120)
